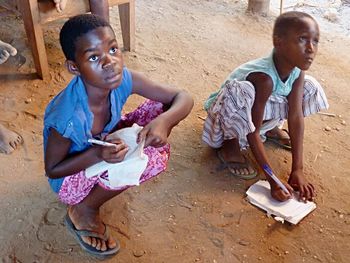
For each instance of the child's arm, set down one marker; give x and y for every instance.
(101, 8)
(59, 164)
(179, 101)
(296, 130)
(263, 88)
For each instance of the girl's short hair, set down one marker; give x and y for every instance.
(287, 21)
(76, 27)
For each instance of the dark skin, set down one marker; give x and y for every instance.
(97, 7)
(99, 62)
(296, 49)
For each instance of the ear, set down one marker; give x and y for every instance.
(277, 40)
(72, 67)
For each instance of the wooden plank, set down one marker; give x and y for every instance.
(48, 11)
(127, 22)
(30, 14)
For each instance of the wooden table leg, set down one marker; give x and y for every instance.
(127, 23)
(31, 19)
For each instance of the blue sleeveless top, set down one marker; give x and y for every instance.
(69, 114)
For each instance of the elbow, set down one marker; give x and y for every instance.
(50, 172)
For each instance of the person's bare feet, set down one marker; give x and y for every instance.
(6, 50)
(60, 5)
(9, 140)
(85, 218)
(280, 137)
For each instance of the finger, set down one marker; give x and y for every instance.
(303, 193)
(290, 189)
(142, 135)
(8, 48)
(121, 154)
(115, 141)
(312, 191)
(4, 56)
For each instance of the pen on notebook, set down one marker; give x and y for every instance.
(98, 142)
(268, 170)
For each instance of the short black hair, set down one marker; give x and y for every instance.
(287, 21)
(76, 27)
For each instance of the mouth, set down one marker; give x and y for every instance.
(112, 78)
(310, 60)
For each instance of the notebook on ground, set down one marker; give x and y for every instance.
(292, 210)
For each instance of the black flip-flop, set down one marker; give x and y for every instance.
(78, 234)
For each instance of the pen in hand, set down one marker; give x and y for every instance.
(102, 143)
(268, 170)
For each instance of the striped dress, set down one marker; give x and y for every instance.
(229, 109)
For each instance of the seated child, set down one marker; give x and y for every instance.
(98, 7)
(260, 94)
(90, 107)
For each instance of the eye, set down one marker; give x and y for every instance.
(93, 58)
(113, 50)
(302, 39)
(315, 41)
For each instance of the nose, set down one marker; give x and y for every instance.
(310, 47)
(107, 61)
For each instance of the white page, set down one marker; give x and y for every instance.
(291, 210)
(129, 171)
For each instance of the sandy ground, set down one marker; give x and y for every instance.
(192, 212)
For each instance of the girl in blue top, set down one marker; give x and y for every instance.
(259, 95)
(90, 107)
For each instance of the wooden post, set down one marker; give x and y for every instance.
(127, 23)
(259, 6)
(31, 18)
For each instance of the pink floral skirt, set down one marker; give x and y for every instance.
(76, 187)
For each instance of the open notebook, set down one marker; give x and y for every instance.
(129, 171)
(291, 210)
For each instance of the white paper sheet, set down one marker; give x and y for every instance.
(129, 171)
(291, 210)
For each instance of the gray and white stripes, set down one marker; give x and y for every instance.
(230, 114)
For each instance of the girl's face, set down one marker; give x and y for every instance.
(300, 45)
(98, 59)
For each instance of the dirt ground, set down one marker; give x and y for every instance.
(191, 212)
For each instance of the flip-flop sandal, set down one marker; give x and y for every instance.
(78, 234)
(280, 141)
(232, 166)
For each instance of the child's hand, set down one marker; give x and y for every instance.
(155, 133)
(299, 183)
(278, 194)
(113, 154)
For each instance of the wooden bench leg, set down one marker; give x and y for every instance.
(127, 22)
(30, 15)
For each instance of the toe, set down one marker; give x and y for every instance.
(99, 244)
(103, 246)
(87, 240)
(111, 243)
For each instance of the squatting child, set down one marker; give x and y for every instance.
(259, 95)
(90, 107)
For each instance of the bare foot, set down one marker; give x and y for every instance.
(60, 5)
(280, 137)
(9, 140)
(230, 154)
(85, 218)
(6, 50)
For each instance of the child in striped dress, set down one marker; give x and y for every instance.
(259, 95)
